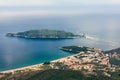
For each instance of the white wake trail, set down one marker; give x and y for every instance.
(90, 37)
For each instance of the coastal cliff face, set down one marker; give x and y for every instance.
(44, 34)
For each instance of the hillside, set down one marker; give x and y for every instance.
(117, 50)
(65, 75)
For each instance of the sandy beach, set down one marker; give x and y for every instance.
(33, 67)
(22, 68)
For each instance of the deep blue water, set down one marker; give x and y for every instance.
(102, 30)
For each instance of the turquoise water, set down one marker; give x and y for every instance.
(102, 32)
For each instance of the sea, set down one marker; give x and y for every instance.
(101, 30)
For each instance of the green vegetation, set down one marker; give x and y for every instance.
(114, 61)
(60, 65)
(115, 75)
(45, 67)
(45, 63)
(113, 51)
(74, 49)
(66, 75)
(58, 74)
(45, 33)
(114, 56)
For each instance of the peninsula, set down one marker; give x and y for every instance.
(44, 33)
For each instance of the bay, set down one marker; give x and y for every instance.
(102, 31)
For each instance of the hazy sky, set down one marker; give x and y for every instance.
(31, 7)
(56, 2)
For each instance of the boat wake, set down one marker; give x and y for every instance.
(91, 37)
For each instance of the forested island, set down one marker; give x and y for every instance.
(44, 33)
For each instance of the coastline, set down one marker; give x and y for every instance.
(21, 68)
(89, 62)
(37, 67)
(33, 67)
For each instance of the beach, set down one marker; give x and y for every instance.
(33, 67)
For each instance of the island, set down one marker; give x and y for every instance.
(45, 33)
